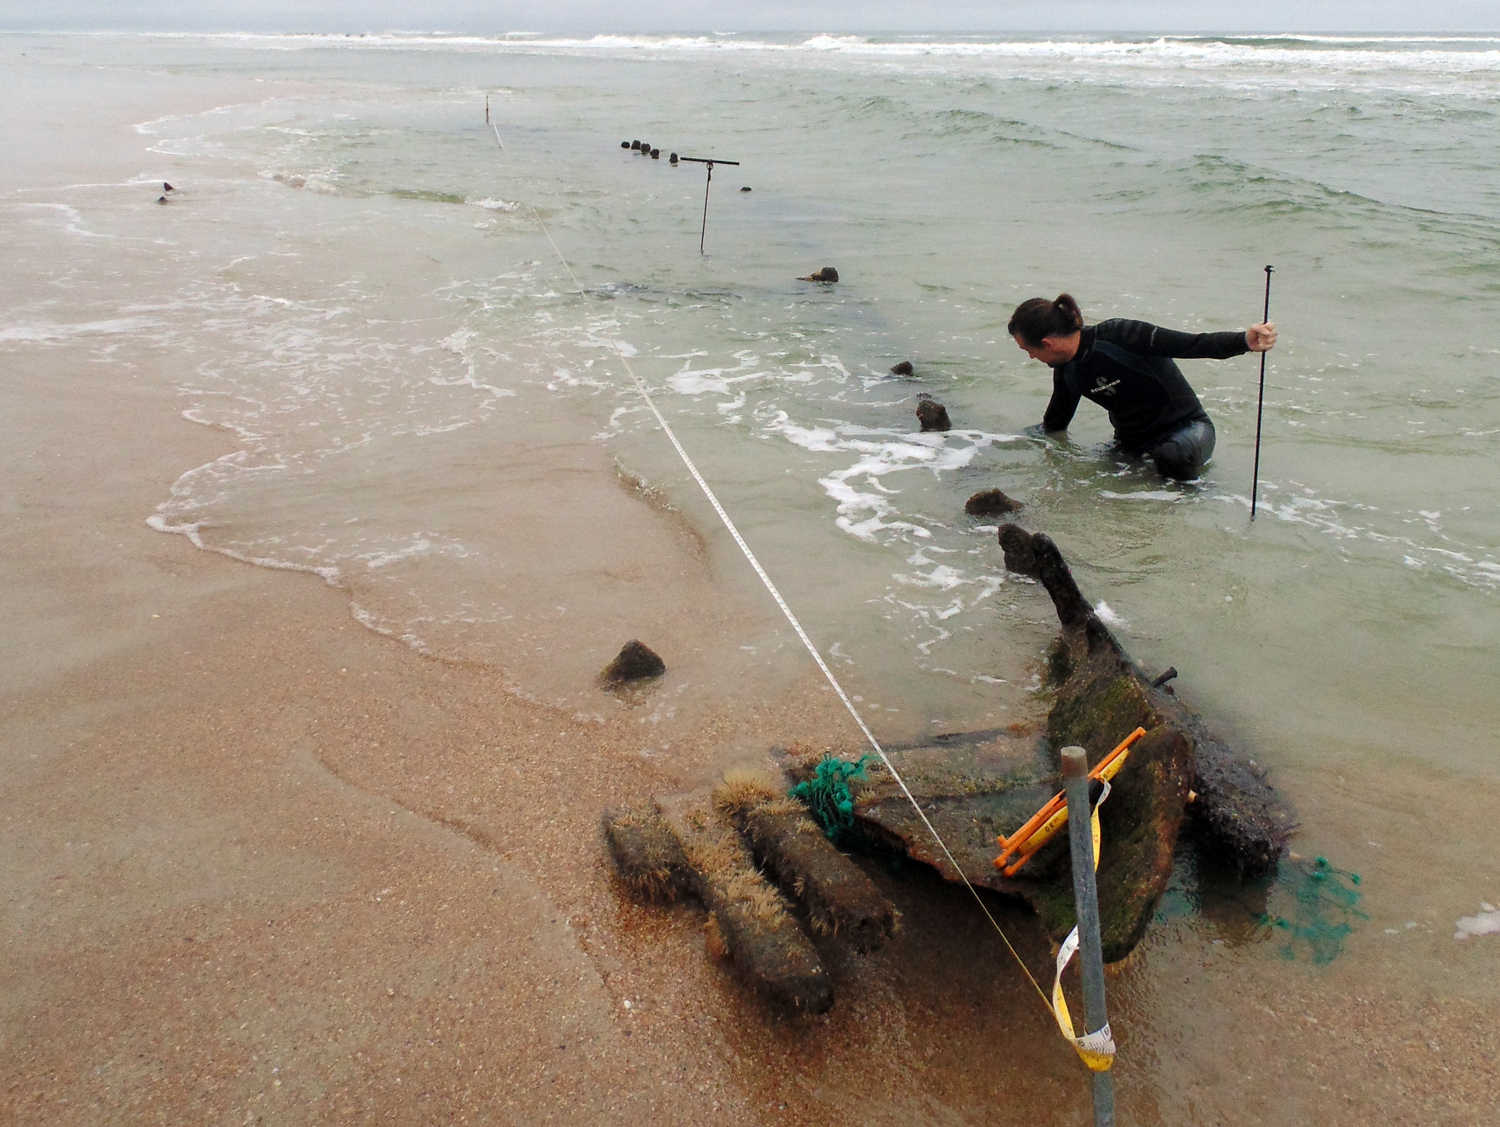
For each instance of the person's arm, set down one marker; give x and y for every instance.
(1062, 405)
(1145, 339)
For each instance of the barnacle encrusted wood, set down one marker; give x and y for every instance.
(753, 918)
(840, 899)
(647, 854)
(688, 851)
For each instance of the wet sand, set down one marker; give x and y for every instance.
(266, 865)
(269, 866)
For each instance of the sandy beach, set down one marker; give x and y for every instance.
(266, 865)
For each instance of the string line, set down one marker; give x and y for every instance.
(792, 618)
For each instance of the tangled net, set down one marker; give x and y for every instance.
(829, 797)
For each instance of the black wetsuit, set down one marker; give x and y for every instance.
(1126, 367)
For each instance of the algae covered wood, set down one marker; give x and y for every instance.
(973, 788)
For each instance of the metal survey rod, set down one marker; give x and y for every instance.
(1075, 765)
(1260, 404)
(710, 162)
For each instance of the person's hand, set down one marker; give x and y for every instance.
(1261, 338)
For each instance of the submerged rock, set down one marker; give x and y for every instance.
(903, 368)
(827, 274)
(932, 414)
(990, 503)
(634, 662)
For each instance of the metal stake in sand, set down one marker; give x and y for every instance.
(710, 162)
(1075, 765)
(1260, 403)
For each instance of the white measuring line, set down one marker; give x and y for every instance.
(787, 610)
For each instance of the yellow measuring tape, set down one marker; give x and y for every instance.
(1097, 1048)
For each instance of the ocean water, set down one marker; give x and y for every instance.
(354, 281)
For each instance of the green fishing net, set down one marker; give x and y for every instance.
(829, 797)
(1326, 901)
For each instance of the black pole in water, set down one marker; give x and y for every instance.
(710, 163)
(1260, 403)
(707, 184)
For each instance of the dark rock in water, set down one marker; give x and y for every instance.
(635, 662)
(827, 274)
(673, 158)
(990, 503)
(645, 148)
(904, 368)
(1015, 543)
(167, 187)
(635, 146)
(656, 154)
(840, 900)
(932, 414)
(746, 188)
(624, 144)
(161, 199)
(648, 855)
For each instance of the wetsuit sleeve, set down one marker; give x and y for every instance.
(1062, 405)
(1145, 339)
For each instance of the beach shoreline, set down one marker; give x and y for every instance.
(267, 864)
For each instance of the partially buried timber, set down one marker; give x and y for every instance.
(1166, 768)
(978, 787)
(750, 916)
(840, 899)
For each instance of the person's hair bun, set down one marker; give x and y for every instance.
(1037, 318)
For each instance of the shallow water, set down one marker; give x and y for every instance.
(355, 282)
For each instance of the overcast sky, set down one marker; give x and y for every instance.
(752, 15)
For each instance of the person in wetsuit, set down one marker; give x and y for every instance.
(1126, 367)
